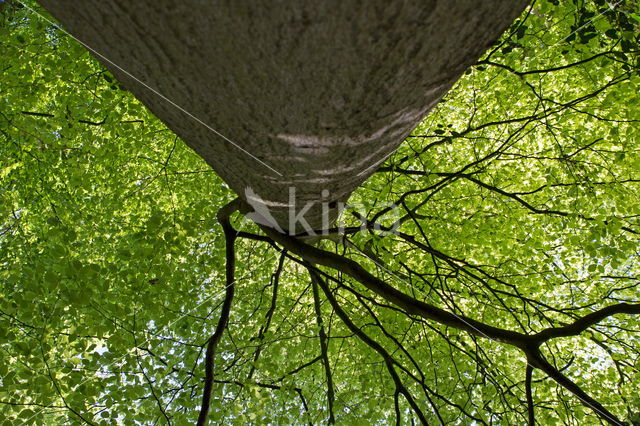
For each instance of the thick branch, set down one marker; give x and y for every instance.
(230, 236)
(527, 385)
(407, 303)
(587, 321)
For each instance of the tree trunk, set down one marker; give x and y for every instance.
(310, 94)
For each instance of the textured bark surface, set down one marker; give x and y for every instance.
(313, 94)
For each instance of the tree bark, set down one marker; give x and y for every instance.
(308, 94)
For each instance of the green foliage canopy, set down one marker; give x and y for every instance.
(519, 192)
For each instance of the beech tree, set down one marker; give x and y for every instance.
(486, 272)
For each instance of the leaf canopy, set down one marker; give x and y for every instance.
(519, 193)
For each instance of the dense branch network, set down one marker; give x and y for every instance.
(528, 343)
(442, 333)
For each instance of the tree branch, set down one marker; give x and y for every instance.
(587, 321)
(527, 385)
(407, 303)
(224, 215)
(528, 343)
(268, 315)
(388, 360)
(537, 360)
(324, 351)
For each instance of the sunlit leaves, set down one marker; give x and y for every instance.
(526, 193)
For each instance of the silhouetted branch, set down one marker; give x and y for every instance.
(587, 321)
(407, 303)
(224, 215)
(269, 315)
(546, 70)
(527, 385)
(388, 360)
(89, 122)
(528, 343)
(324, 351)
(537, 360)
